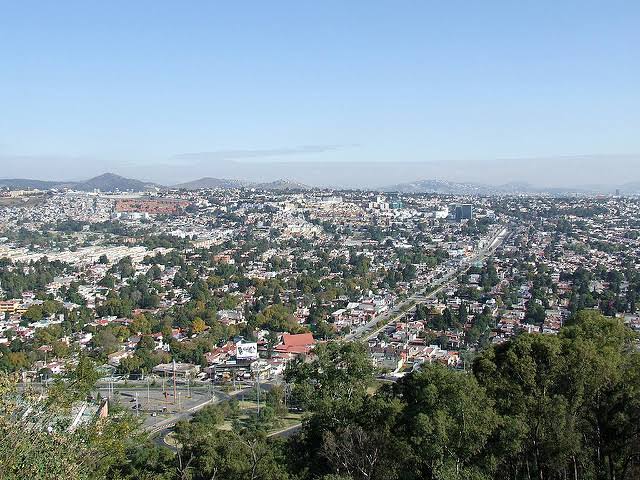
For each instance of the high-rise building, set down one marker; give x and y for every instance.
(464, 212)
(395, 201)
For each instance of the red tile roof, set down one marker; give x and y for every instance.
(298, 340)
(294, 344)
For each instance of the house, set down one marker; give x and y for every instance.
(230, 317)
(220, 354)
(115, 358)
(295, 344)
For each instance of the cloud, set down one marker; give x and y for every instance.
(221, 155)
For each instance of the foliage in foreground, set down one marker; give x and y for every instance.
(38, 440)
(537, 407)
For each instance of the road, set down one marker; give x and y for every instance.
(287, 432)
(161, 428)
(369, 330)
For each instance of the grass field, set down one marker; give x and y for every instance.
(249, 410)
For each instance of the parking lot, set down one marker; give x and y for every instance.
(154, 400)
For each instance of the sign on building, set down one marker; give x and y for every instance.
(246, 351)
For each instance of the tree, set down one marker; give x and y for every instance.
(39, 442)
(275, 398)
(569, 403)
(108, 281)
(356, 452)
(462, 315)
(105, 342)
(209, 453)
(279, 319)
(140, 325)
(449, 420)
(535, 312)
(447, 316)
(132, 364)
(34, 313)
(272, 340)
(198, 326)
(337, 378)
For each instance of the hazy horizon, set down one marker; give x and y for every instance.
(541, 172)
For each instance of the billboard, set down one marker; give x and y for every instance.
(247, 351)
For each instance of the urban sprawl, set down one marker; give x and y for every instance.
(182, 298)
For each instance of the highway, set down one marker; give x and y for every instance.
(369, 330)
(161, 428)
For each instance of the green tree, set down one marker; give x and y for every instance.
(568, 402)
(38, 440)
(337, 378)
(449, 420)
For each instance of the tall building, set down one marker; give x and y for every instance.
(464, 212)
(395, 201)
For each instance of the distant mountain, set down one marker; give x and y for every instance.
(110, 182)
(107, 182)
(630, 188)
(441, 186)
(223, 183)
(26, 184)
(513, 188)
(209, 182)
(281, 185)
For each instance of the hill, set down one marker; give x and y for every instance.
(210, 182)
(441, 186)
(107, 182)
(27, 184)
(281, 185)
(223, 183)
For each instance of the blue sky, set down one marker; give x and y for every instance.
(143, 87)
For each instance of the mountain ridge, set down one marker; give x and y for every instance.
(104, 182)
(513, 188)
(112, 182)
(224, 183)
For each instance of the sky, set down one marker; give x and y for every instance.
(172, 91)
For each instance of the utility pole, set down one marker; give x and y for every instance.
(286, 394)
(137, 406)
(258, 390)
(175, 388)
